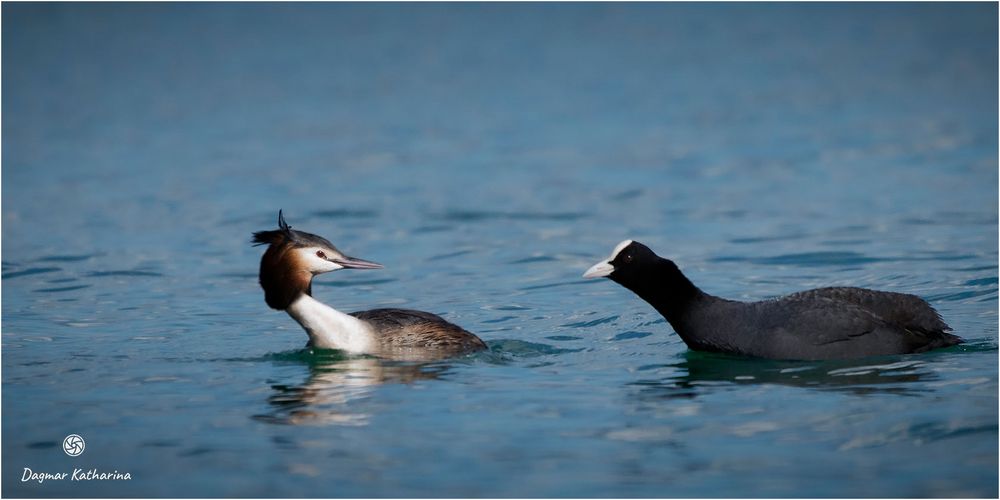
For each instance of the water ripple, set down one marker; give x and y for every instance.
(563, 338)
(484, 215)
(763, 239)
(508, 307)
(345, 213)
(500, 319)
(62, 289)
(950, 297)
(922, 432)
(529, 260)
(804, 259)
(352, 283)
(449, 255)
(982, 281)
(588, 324)
(631, 334)
(103, 274)
(553, 285)
(524, 349)
(30, 271)
(65, 258)
(811, 259)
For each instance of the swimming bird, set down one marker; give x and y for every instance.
(824, 323)
(293, 258)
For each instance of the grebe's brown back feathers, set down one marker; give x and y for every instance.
(410, 328)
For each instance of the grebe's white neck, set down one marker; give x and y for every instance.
(329, 328)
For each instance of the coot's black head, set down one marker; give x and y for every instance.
(630, 263)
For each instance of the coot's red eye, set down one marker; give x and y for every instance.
(320, 254)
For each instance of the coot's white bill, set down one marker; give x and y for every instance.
(599, 270)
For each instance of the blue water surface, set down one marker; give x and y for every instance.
(487, 154)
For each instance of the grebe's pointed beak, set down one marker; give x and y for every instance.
(353, 263)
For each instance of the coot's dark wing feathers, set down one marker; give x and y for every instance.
(818, 320)
(901, 309)
(879, 321)
(410, 328)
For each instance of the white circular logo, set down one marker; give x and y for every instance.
(73, 445)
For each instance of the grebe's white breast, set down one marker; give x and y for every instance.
(329, 328)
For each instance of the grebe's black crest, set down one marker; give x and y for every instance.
(285, 235)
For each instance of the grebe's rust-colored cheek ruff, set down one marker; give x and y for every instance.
(287, 269)
(283, 277)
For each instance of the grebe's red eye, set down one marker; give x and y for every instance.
(320, 254)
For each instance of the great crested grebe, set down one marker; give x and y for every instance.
(287, 268)
(824, 323)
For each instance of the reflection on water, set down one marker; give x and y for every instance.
(335, 383)
(697, 370)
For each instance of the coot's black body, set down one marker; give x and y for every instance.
(825, 323)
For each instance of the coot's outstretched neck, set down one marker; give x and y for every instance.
(666, 289)
(825, 323)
